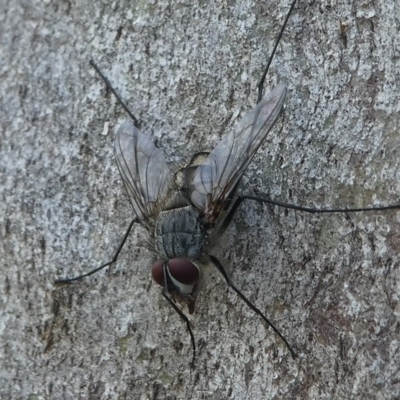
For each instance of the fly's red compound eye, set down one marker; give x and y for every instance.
(158, 273)
(180, 273)
(183, 271)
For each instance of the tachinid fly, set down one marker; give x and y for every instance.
(183, 211)
(186, 208)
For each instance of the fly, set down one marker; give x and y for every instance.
(184, 210)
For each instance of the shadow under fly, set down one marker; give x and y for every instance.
(184, 210)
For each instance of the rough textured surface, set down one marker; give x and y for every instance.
(330, 283)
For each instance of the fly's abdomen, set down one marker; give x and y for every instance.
(179, 233)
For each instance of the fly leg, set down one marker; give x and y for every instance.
(278, 39)
(185, 319)
(115, 257)
(113, 260)
(239, 200)
(108, 84)
(249, 303)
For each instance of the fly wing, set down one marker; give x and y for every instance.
(222, 170)
(143, 169)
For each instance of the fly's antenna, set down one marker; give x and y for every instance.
(278, 39)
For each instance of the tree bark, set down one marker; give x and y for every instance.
(188, 72)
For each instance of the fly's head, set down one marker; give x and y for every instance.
(179, 277)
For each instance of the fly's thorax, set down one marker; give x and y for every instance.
(179, 233)
(183, 177)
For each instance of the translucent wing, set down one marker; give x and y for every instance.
(143, 169)
(222, 170)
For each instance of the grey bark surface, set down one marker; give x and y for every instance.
(188, 72)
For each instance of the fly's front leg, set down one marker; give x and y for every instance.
(184, 318)
(249, 303)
